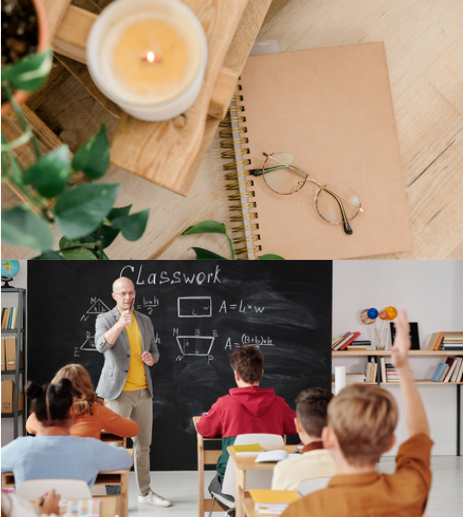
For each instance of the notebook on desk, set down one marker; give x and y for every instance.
(332, 109)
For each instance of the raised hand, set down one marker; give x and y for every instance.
(402, 342)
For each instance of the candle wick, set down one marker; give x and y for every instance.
(150, 57)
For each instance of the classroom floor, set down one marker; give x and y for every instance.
(446, 498)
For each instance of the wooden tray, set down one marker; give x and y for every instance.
(167, 153)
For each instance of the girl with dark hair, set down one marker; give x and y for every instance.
(91, 416)
(55, 453)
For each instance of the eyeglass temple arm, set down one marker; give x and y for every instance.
(260, 172)
(345, 222)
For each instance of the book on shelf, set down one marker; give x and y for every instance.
(355, 377)
(456, 376)
(332, 109)
(348, 341)
(457, 337)
(345, 341)
(446, 340)
(452, 362)
(10, 318)
(5, 317)
(433, 340)
(459, 376)
(250, 449)
(371, 370)
(391, 373)
(444, 373)
(14, 319)
(337, 341)
(382, 362)
(438, 372)
(272, 502)
(450, 371)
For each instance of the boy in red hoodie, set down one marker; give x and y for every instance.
(246, 409)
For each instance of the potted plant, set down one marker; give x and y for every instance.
(83, 213)
(25, 36)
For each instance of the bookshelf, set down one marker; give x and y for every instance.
(18, 373)
(415, 354)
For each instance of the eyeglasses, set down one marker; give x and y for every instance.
(335, 203)
(126, 293)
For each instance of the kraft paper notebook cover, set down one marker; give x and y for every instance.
(332, 108)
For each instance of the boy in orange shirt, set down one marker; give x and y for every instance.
(361, 423)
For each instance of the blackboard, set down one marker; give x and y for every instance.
(201, 311)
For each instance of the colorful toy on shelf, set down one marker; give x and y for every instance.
(369, 316)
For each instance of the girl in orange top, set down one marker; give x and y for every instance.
(91, 416)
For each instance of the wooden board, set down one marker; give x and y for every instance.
(163, 152)
(426, 71)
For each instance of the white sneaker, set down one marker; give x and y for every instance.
(152, 499)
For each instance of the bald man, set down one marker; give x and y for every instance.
(126, 338)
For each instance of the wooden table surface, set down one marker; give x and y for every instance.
(424, 45)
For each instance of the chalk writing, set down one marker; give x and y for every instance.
(194, 307)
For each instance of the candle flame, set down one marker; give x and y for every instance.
(150, 57)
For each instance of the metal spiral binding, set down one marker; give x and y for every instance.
(233, 140)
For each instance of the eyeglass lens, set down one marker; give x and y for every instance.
(328, 207)
(123, 294)
(284, 173)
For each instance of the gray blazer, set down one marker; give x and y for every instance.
(117, 357)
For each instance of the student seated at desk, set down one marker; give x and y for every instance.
(315, 461)
(15, 506)
(55, 453)
(246, 409)
(91, 416)
(361, 423)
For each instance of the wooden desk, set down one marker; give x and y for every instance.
(242, 465)
(110, 477)
(205, 457)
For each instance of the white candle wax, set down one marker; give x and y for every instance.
(339, 378)
(148, 56)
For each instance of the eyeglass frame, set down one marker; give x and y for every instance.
(260, 172)
(123, 293)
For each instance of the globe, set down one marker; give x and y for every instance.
(10, 268)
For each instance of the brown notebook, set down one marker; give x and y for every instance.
(332, 108)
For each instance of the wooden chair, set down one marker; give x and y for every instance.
(307, 486)
(110, 477)
(205, 457)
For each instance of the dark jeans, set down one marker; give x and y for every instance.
(216, 487)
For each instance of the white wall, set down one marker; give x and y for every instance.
(432, 293)
(10, 300)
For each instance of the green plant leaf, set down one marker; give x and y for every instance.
(78, 254)
(22, 227)
(119, 212)
(64, 242)
(49, 175)
(203, 254)
(81, 209)
(29, 73)
(269, 256)
(93, 158)
(49, 255)
(132, 226)
(106, 233)
(206, 227)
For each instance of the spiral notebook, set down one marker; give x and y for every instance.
(332, 108)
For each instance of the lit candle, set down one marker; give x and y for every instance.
(148, 56)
